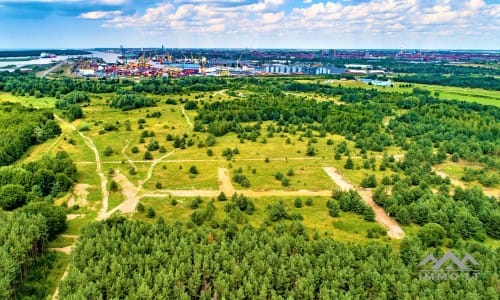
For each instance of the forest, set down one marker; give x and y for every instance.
(249, 263)
(22, 127)
(24, 233)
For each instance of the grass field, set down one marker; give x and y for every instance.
(481, 96)
(346, 227)
(259, 160)
(44, 102)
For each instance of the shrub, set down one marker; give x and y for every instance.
(193, 170)
(148, 155)
(151, 213)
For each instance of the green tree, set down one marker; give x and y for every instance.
(193, 170)
(12, 196)
(148, 155)
(349, 164)
(55, 217)
(432, 235)
(369, 181)
(150, 213)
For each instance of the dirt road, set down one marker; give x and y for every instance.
(52, 69)
(456, 182)
(187, 118)
(381, 216)
(224, 180)
(88, 141)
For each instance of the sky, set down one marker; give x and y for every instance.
(307, 24)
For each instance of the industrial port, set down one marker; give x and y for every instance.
(243, 62)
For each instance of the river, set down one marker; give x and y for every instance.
(108, 57)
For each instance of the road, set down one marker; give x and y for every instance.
(52, 69)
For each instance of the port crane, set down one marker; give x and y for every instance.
(123, 56)
(238, 61)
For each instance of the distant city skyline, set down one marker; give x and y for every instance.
(298, 24)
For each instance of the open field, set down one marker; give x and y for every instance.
(481, 96)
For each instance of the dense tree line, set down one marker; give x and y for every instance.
(468, 214)
(162, 86)
(119, 259)
(24, 84)
(22, 127)
(70, 104)
(34, 181)
(484, 82)
(469, 130)
(23, 237)
(22, 240)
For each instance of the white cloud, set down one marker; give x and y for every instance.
(105, 2)
(96, 15)
(373, 19)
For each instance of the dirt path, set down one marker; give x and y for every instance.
(250, 193)
(88, 141)
(80, 189)
(52, 69)
(152, 167)
(130, 161)
(395, 231)
(381, 216)
(452, 180)
(66, 250)
(459, 183)
(283, 193)
(70, 217)
(187, 118)
(129, 191)
(182, 193)
(219, 92)
(338, 179)
(56, 293)
(224, 180)
(104, 180)
(202, 160)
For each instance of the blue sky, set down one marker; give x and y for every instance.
(322, 24)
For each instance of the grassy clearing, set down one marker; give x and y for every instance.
(44, 102)
(115, 198)
(61, 242)
(307, 174)
(481, 96)
(75, 225)
(176, 175)
(346, 227)
(456, 171)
